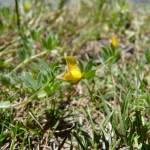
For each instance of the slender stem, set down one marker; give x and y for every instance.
(6, 46)
(26, 61)
(28, 99)
(34, 117)
(7, 52)
(17, 13)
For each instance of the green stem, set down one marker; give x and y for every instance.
(27, 99)
(17, 14)
(26, 61)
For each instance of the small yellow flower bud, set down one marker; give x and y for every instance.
(114, 41)
(27, 5)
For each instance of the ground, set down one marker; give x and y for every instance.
(109, 108)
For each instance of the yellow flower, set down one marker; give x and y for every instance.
(114, 41)
(27, 6)
(73, 73)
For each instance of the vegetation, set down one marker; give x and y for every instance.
(109, 108)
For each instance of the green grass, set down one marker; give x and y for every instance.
(108, 109)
